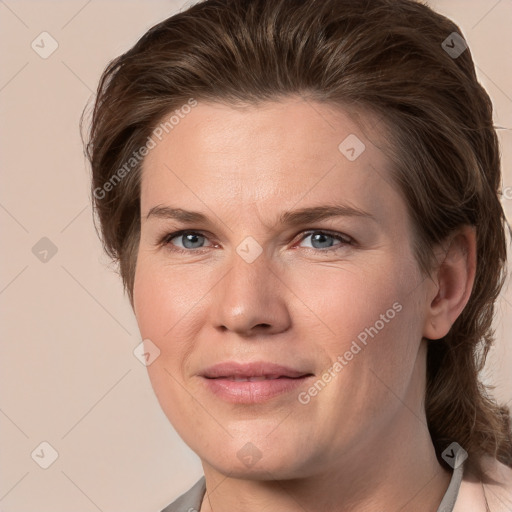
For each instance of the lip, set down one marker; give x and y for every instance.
(220, 380)
(254, 369)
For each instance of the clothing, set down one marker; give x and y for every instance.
(189, 501)
(464, 494)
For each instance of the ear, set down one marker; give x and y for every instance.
(451, 283)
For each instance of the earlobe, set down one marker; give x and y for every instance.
(452, 289)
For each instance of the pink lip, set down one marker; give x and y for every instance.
(219, 379)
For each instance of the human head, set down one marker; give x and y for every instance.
(384, 56)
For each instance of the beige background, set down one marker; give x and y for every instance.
(68, 373)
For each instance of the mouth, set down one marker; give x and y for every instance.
(253, 378)
(252, 383)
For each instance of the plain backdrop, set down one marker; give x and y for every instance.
(69, 377)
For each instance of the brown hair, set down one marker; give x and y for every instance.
(384, 55)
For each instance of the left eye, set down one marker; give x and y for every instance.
(190, 239)
(320, 237)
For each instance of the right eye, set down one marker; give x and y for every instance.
(188, 239)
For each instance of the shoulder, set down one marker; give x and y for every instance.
(190, 501)
(499, 490)
(496, 493)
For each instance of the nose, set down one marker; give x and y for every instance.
(251, 298)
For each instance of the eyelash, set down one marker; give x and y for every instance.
(166, 239)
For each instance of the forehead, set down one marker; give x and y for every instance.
(274, 154)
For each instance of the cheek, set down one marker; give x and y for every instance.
(164, 300)
(354, 301)
(372, 319)
(158, 314)
(170, 313)
(161, 304)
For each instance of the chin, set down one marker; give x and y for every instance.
(258, 461)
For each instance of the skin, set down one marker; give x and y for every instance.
(361, 443)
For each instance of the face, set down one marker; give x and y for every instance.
(298, 255)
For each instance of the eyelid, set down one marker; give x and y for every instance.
(165, 240)
(341, 237)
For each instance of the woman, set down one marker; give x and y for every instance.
(303, 198)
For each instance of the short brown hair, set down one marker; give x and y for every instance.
(388, 56)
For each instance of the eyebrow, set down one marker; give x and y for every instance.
(288, 218)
